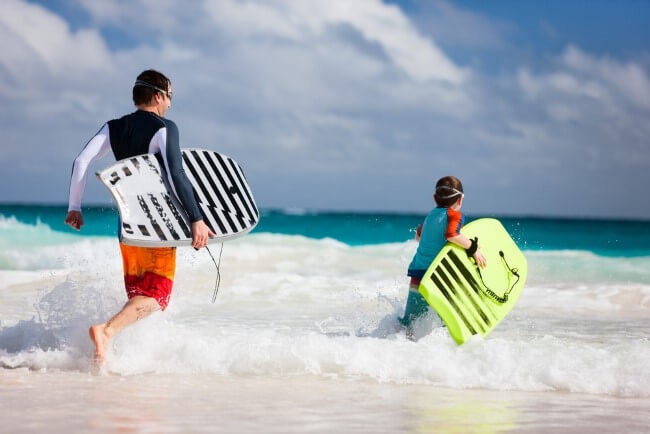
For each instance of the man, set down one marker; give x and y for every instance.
(148, 272)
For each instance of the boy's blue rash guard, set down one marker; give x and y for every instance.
(137, 133)
(439, 225)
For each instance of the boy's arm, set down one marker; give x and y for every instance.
(464, 242)
(418, 232)
(461, 240)
(453, 235)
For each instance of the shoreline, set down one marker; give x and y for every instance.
(60, 402)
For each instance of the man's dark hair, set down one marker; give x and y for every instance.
(143, 94)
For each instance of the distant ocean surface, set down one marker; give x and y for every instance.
(316, 295)
(628, 238)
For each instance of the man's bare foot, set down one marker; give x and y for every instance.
(100, 339)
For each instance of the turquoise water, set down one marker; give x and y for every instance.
(603, 237)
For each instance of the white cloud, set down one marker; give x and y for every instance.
(386, 25)
(319, 97)
(293, 20)
(627, 79)
(38, 45)
(451, 25)
(608, 93)
(563, 113)
(570, 84)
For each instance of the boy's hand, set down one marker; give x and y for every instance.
(418, 233)
(480, 259)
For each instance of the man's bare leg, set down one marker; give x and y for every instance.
(135, 309)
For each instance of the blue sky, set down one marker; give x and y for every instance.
(541, 108)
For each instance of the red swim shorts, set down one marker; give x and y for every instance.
(149, 271)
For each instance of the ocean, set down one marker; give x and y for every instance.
(303, 337)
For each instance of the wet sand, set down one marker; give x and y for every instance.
(77, 402)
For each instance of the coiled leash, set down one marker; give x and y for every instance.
(487, 291)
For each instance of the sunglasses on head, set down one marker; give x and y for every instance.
(453, 191)
(151, 86)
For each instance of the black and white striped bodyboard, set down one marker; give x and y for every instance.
(152, 216)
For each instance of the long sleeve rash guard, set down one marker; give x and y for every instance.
(141, 132)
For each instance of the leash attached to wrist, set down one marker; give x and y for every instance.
(473, 248)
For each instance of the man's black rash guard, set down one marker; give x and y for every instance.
(138, 133)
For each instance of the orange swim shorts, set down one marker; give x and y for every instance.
(149, 271)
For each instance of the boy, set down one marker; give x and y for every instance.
(441, 225)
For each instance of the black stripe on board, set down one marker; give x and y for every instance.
(136, 163)
(227, 201)
(154, 167)
(144, 231)
(163, 216)
(443, 288)
(461, 285)
(227, 187)
(222, 202)
(177, 216)
(468, 276)
(217, 219)
(115, 178)
(197, 179)
(208, 207)
(248, 201)
(238, 183)
(154, 223)
(193, 160)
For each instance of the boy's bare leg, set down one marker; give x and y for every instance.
(135, 309)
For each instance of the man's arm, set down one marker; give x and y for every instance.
(95, 149)
(182, 186)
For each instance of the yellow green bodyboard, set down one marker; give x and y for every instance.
(470, 301)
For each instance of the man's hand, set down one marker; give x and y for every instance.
(74, 219)
(200, 234)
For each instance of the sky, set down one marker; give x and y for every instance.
(540, 108)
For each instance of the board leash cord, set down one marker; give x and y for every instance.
(490, 293)
(218, 265)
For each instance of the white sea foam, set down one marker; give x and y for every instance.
(290, 306)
